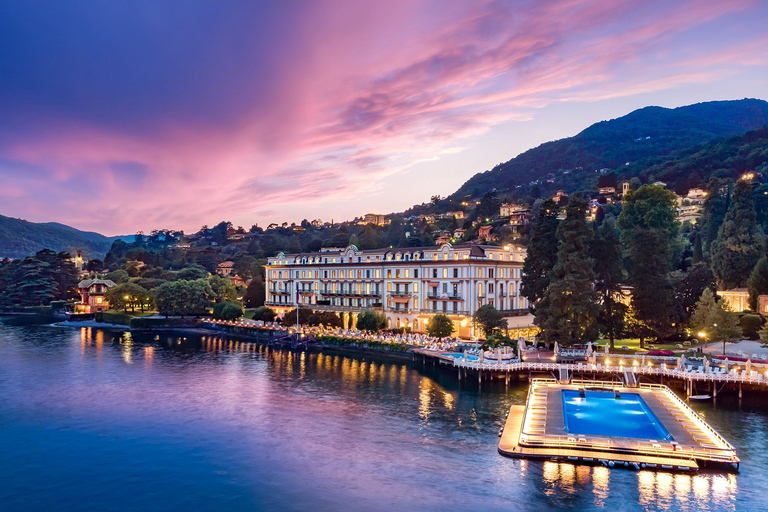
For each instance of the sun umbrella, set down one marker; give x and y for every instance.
(607, 348)
(726, 365)
(706, 366)
(748, 365)
(642, 360)
(589, 348)
(556, 348)
(679, 362)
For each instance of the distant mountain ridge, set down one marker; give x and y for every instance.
(640, 135)
(20, 238)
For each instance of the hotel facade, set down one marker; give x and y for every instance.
(409, 285)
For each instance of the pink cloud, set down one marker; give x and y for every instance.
(365, 91)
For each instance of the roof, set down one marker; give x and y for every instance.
(227, 264)
(87, 283)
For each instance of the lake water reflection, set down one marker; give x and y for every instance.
(92, 419)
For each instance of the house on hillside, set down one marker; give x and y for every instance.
(737, 299)
(225, 268)
(92, 295)
(519, 218)
(484, 232)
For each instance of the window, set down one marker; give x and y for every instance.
(406, 273)
(416, 273)
(490, 273)
(397, 273)
(455, 273)
(416, 287)
(434, 272)
(445, 272)
(445, 287)
(490, 288)
(368, 274)
(389, 272)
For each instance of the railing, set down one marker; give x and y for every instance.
(444, 311)
(759, 378)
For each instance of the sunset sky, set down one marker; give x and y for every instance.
(120, 116)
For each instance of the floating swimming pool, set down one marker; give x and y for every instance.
(600, 413)
(457, 355)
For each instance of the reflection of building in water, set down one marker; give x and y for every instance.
(674, 490)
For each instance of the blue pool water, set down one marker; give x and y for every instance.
(601, 414)
(456, 355)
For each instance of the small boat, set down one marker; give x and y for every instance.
(699, 397)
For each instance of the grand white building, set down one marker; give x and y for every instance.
(410, 285)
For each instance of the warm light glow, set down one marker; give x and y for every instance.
(702, 334)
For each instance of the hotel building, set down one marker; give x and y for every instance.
(409, 285)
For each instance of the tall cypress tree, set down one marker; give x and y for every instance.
(609, 276)
(648, 224)
(568, 311)
(718, 200)
(541, 255)
(739, 243)
(698, 250)
(757, 284)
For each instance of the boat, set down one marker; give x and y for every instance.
(699, 397)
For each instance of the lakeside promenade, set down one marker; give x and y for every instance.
(714, 377)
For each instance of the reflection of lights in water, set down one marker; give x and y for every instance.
(424, 399)
(127, 348)
(149, 356)
(724, 486)
(601, 476)
(448, 400)
(664, 485)
(646, 487)
(682, 485)
(303, 365)
(700, 487)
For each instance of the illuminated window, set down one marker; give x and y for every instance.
(407, 272)
(445, 272)
(416, 287)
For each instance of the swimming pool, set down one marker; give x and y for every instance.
(457, 355)
(599, 413)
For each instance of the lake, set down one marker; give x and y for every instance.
(94, 419)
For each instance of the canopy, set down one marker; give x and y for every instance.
(607, 348)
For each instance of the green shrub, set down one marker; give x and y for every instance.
(227, 310)
(369, 344)
(110, 317)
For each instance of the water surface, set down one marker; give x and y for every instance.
(99, 420)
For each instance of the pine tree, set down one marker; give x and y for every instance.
(568, 311)
(609, 275)
(739, 243)
(757, 284)
(715, 207)
(541, 255)
(649, 227)
(714, 321)
(698, 251)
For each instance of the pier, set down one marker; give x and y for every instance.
(540, 429)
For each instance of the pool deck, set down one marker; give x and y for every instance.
(537, 430)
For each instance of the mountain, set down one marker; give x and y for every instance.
(623, 142)
(20, 238)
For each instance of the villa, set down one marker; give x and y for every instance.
(92, 295)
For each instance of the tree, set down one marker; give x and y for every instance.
(713, 321)
(373, 321)
(648, 224)
(183, 297)
(739, 243)
(255, 293)
(688, 288)
(757, 284)
(118, 276)
(698, 251)
(192, 272)
(227, 310)
(223, 289)
(304, 314)
(609, 276)
(540, 258)
(440, 326)
(264, 314)
(489, 319)
(715, 207)
(750, 325)
(569, 309)
(127, 295)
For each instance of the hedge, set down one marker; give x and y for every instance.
(369, 344)
(110, 317)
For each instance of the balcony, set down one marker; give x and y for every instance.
(434, 311)
(514, 312)
(279, 292)
(400, 293)
(445, 296)
(279, 304)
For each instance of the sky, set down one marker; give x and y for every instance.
(135, 115)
